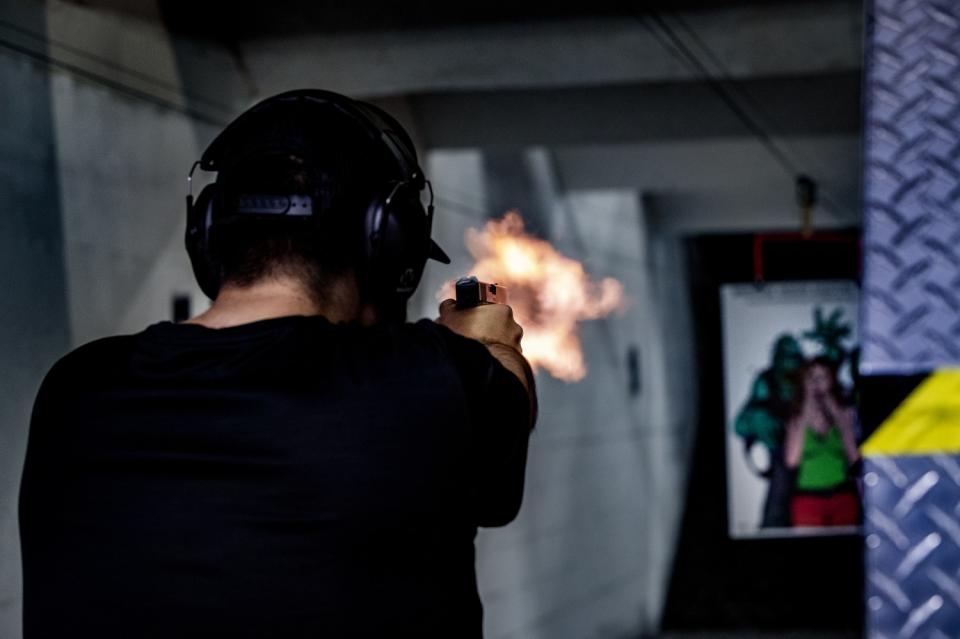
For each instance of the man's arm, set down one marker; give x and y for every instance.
(502, 427)
(513, 361)
(493, 326)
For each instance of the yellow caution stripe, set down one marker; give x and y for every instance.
(928, 420)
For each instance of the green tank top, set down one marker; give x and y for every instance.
(823, 464)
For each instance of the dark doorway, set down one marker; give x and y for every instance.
(719, 583)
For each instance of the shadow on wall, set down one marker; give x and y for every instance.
(34, 326)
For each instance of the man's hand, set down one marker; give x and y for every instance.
(487, 323)
(493, 326)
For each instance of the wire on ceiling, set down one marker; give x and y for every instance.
(727, 89)
(143, 76)
(111, 83)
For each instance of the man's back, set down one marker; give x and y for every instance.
(287, 477)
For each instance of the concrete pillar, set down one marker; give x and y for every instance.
(34, 326)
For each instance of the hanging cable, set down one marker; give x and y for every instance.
(160, 83)
(109, 83)
(675, 46)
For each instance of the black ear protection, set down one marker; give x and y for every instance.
(396, 226)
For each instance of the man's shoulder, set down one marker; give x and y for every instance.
(98, 348)
(85, 360)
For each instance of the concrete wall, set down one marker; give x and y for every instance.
(122, 173)
(122, 168)
(34, 329)
(91, 230)
(591, 550)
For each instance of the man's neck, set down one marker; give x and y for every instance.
(281, 297)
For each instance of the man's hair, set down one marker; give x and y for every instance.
(313, 250)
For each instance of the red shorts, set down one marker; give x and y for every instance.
(838, 509)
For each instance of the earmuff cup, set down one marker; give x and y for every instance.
(199, 221)
(397, 246)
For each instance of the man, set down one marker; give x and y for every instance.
(296, 461)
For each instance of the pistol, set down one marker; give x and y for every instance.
(472, 292)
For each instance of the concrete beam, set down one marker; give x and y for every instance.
(826, 104)
(766, 208)
(707, 165)
(771, 39)
(723, 185)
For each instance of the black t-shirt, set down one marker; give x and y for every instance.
(284, 478)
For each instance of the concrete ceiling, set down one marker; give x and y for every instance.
(692, 102)
(226, 20)
(765, 41)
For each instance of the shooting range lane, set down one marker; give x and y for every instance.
(624, 139)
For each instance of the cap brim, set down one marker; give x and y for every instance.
(438, 254)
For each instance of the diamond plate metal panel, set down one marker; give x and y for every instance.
(912, 528)
(911, 302)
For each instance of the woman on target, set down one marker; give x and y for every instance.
(821, 449)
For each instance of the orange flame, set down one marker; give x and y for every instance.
(549, 292)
